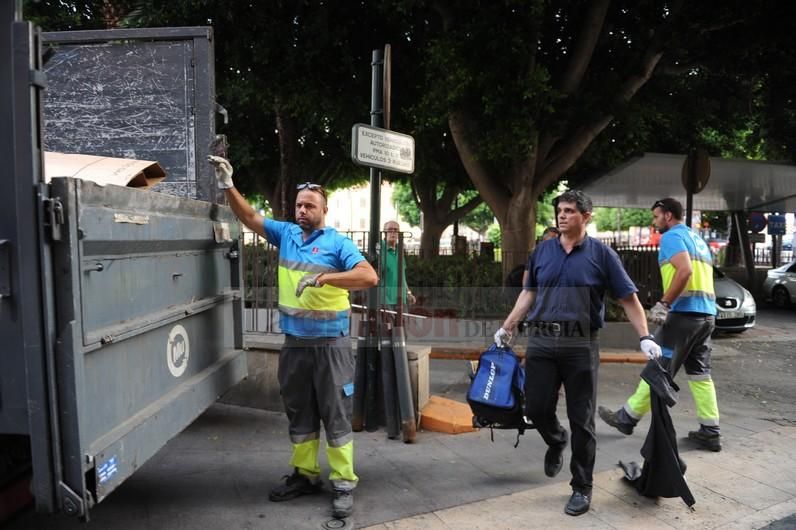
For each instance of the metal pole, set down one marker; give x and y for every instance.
(376, 120)
(371, 415)
(689, 196)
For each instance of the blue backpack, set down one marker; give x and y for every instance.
(497, 391)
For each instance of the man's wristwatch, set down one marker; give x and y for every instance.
(665, 303)
(646, 337)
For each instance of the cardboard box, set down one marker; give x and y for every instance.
(103, 170)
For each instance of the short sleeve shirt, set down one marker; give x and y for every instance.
(570, 287)
(324, 250)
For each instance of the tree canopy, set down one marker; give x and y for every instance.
(507, 97)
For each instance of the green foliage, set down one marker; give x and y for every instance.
(479, 219)
(460, 286)
(493, 234)
(607, 219)
(405, 203)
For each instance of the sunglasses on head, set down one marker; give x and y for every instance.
(659, 204)
(312, 187)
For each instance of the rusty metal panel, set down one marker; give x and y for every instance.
(135, 93)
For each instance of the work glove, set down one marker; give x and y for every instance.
(658, 313)
(650, 347)
(308, 280)
(411, 298)
(502, 338)
(223, 171)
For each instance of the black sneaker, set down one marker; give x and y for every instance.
(709, 441)
(610, 417)
(553, 460)
(295, 485)
(342, 504)
(578, 504)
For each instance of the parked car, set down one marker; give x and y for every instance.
(780, 285)
(736, 308)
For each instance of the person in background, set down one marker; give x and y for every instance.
(550, 232)
(562, 300)
(317, 269)
(686, 314)
(389, 269)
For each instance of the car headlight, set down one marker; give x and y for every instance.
(748, 303)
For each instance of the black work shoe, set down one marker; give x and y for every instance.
(553, 461)
(342, 504)
(578, 504)
(711, 442)
(610, 417)
(295, 485)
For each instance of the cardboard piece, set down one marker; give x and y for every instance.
(103, 170)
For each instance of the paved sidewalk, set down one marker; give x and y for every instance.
(217, 474)
(747, 486)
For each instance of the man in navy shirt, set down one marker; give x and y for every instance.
(562, 300)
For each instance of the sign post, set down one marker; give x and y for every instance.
(776, 229)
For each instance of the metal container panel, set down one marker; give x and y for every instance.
(148, 305)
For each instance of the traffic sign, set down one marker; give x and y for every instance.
(696, 171)
(757, 221)
(380, 148)
(776, 225)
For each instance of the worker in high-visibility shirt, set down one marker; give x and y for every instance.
(687, 316)
(317, 268)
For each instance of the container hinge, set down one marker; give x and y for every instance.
(53, 217)
(71, 503)
(38, 79)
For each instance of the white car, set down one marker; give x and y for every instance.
(736, 308)
(780, 285)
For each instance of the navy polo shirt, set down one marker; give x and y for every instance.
(570, 287)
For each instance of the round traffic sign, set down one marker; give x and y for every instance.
(757, 222)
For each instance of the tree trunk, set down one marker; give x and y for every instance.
(518, 230)
(429, 237)
(282, 195)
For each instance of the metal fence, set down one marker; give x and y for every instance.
(442, 297)
(762, 257)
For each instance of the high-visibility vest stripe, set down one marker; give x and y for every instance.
(312, 313)
(305, 266)
(699, 284)
(318, 300)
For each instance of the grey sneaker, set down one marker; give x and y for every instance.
(295, 485)
(709, 441)
(342, 504)
(610, 417)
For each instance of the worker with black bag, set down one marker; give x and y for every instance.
(562, 300)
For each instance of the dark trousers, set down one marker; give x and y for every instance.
(573, 361)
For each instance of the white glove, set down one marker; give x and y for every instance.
(411, 298)
(502, 338)
(650, 347)
(223, 172)
(308, 280)
(658, 313)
